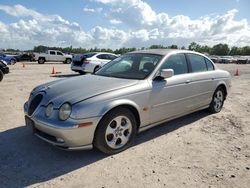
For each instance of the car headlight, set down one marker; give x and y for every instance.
(49, 110)
(65, 111)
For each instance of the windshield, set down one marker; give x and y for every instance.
(131, 66)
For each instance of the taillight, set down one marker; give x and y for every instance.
(86, 62)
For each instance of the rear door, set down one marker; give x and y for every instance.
(52, 56)
(59, 56)
(202, 80)
(103, 58)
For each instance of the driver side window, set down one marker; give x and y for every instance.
(177, 62)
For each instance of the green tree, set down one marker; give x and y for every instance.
(235, 51)
(156, 46)
(173, 46)
(220, 49)
(194, 46)
(246, 50)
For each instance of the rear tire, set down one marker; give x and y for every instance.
(41, 61)
(217, 100)
(96, 69)
(1, 75)
(82, 73)
(116, 131)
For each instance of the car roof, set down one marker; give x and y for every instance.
(97, 53)
(163, 51)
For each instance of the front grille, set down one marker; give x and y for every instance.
(34, 103)
(77, 63)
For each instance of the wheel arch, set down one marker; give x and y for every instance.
(96, 67)
(224, 87)
(132, 106)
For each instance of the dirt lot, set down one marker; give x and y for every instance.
(199, 150)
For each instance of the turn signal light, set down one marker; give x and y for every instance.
(85, 124)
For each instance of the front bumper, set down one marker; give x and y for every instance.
(65, 137)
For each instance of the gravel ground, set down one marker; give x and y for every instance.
(198, 150)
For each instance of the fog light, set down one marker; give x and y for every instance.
(59, 140)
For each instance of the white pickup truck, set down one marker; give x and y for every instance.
(52, 55)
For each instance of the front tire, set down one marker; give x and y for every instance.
(12, 62)
(1, 75)
(217, 101)
(116, 131)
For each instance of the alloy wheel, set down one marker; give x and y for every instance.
(118, 132)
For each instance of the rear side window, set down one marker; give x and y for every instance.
(111, 57)
(176, 62)
(197, 62)
(210, 66)
(52, 53)
(89, 55)
(103, 56)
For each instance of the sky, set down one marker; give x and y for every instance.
(123, 23)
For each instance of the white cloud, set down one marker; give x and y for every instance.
(134, 13)
(133, 24)
(115, 22)
(19, 10)
(93, 10)
(180, 29)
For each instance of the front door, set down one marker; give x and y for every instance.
(170, 97)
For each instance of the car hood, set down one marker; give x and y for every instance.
(7, 58)
(80, 88)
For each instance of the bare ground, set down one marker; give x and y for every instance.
(198, 150)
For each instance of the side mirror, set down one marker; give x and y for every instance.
(166, 73)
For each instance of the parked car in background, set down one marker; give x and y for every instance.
(10, 60)
(52, 55)
(4, 69)
(214, 58)
(130, 94)
(226, 59)
(90, 62)
(241, 59)
(25, 57)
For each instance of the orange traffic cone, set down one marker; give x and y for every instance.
(53, 71)
(237, 72)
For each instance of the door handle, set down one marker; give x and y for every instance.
(188, 81)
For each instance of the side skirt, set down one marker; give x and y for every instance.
(146, 127)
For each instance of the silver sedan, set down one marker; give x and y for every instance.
(130, 94)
